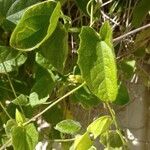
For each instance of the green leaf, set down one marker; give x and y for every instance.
(42, 88)
(111, 138)
(100, 126)
(12, 8)
(123, 96)
(20, 119)
(9, 126)
(82, 142)
(85, 97)
(10, 58)
(30, 33)
(21, 100)
(82, 5)
(140, 12)
(127, 67)
(106, 33)
(68, 126)
(55, 49)
(97, 64)
(24, 138)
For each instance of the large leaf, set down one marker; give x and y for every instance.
(82, 142)
(68, 126)
(24, 138)
(30, 33)
(99, 126)
(10, 58)
(55, 49)
(140, 12)
(97, 64)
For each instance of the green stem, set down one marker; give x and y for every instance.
(115, 123)
(11, 85)
(54, 103)
(63, 140)
(91, 11)
(91, 15)
(5, 111)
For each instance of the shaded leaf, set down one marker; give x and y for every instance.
(111, 138)
(97, 64)
(123, 96)
(140, 12)
(55, 49)
(10, 58)
(42, 88)
(85, 97)
(127, 67)
(30, 33)
(99, 126)
(68, 126)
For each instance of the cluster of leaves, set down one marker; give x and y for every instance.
(37, 71)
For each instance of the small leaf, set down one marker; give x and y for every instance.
(127, 67)
(96, 61)
(9, 126)
(24, 138)
(99, 126)
(82, 142)
(10, 58)
(123, 96)
(30, 33)
(111, 138)
(20, 119)
(106, 33)
(21, 100)
(68, 126)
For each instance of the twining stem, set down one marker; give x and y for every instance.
(54, 103)
(115, 123)
(5, 111)
(91, 11)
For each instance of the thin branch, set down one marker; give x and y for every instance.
(131, 32)
(53, 104)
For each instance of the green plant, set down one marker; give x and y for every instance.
(39, 77)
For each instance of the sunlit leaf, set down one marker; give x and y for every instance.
(97, 64)
(68, 126)
(30, 33)
(99, 126)
(24, 138)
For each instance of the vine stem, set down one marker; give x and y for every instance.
(131, 32)
(115, 122)
(5, 111)
(10, 83)
(54, 103)
(5, 145)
